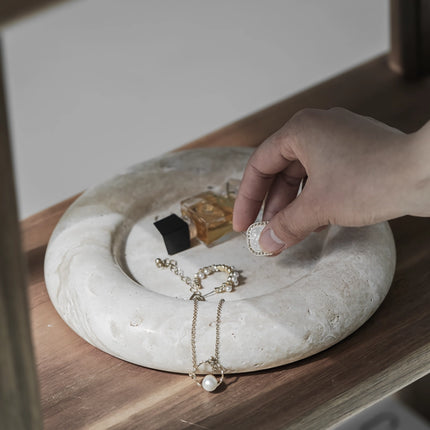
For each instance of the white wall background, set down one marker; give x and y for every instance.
(98, 85)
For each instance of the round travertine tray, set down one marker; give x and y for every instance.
(101, 276)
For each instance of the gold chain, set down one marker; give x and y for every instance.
(209, 382)
(172, 265)
(217, 328)
(215, 358)
(195, 284)
(193, 334)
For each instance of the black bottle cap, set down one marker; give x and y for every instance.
(175, 232)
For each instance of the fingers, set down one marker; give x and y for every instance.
(252, 192)
(284, 189)
(266, 162)
(291, 225)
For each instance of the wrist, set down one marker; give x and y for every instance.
(419, 168)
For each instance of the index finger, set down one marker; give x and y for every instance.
(267, 161)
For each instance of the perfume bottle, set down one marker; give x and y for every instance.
(211, 214)
(206, 216)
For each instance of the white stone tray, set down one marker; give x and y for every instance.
(102, 279)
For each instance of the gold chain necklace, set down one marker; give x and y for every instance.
(209, 382)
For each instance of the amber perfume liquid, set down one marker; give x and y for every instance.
(212, 215)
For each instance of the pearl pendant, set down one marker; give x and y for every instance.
(209, 383)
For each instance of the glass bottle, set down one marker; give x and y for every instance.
(206, 216)
(211, 214)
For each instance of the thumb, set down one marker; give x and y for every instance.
(290, 225)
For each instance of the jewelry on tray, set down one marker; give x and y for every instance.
(209, 382)
(253, 236)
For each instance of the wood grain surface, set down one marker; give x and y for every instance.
(82, 387)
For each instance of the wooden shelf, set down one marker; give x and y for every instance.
(82, 387)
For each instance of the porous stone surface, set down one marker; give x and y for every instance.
(102, 279)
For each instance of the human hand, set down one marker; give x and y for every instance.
(360, 172)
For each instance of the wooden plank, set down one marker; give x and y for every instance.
(86, 388)
(37, 228)
(19, 401)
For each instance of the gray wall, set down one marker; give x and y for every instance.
(98, 85)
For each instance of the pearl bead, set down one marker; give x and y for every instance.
(209, 383)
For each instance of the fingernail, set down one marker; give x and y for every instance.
(269, 242)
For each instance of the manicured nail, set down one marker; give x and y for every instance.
(271, 243)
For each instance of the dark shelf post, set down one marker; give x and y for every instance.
(410, 37)
(19, 397)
